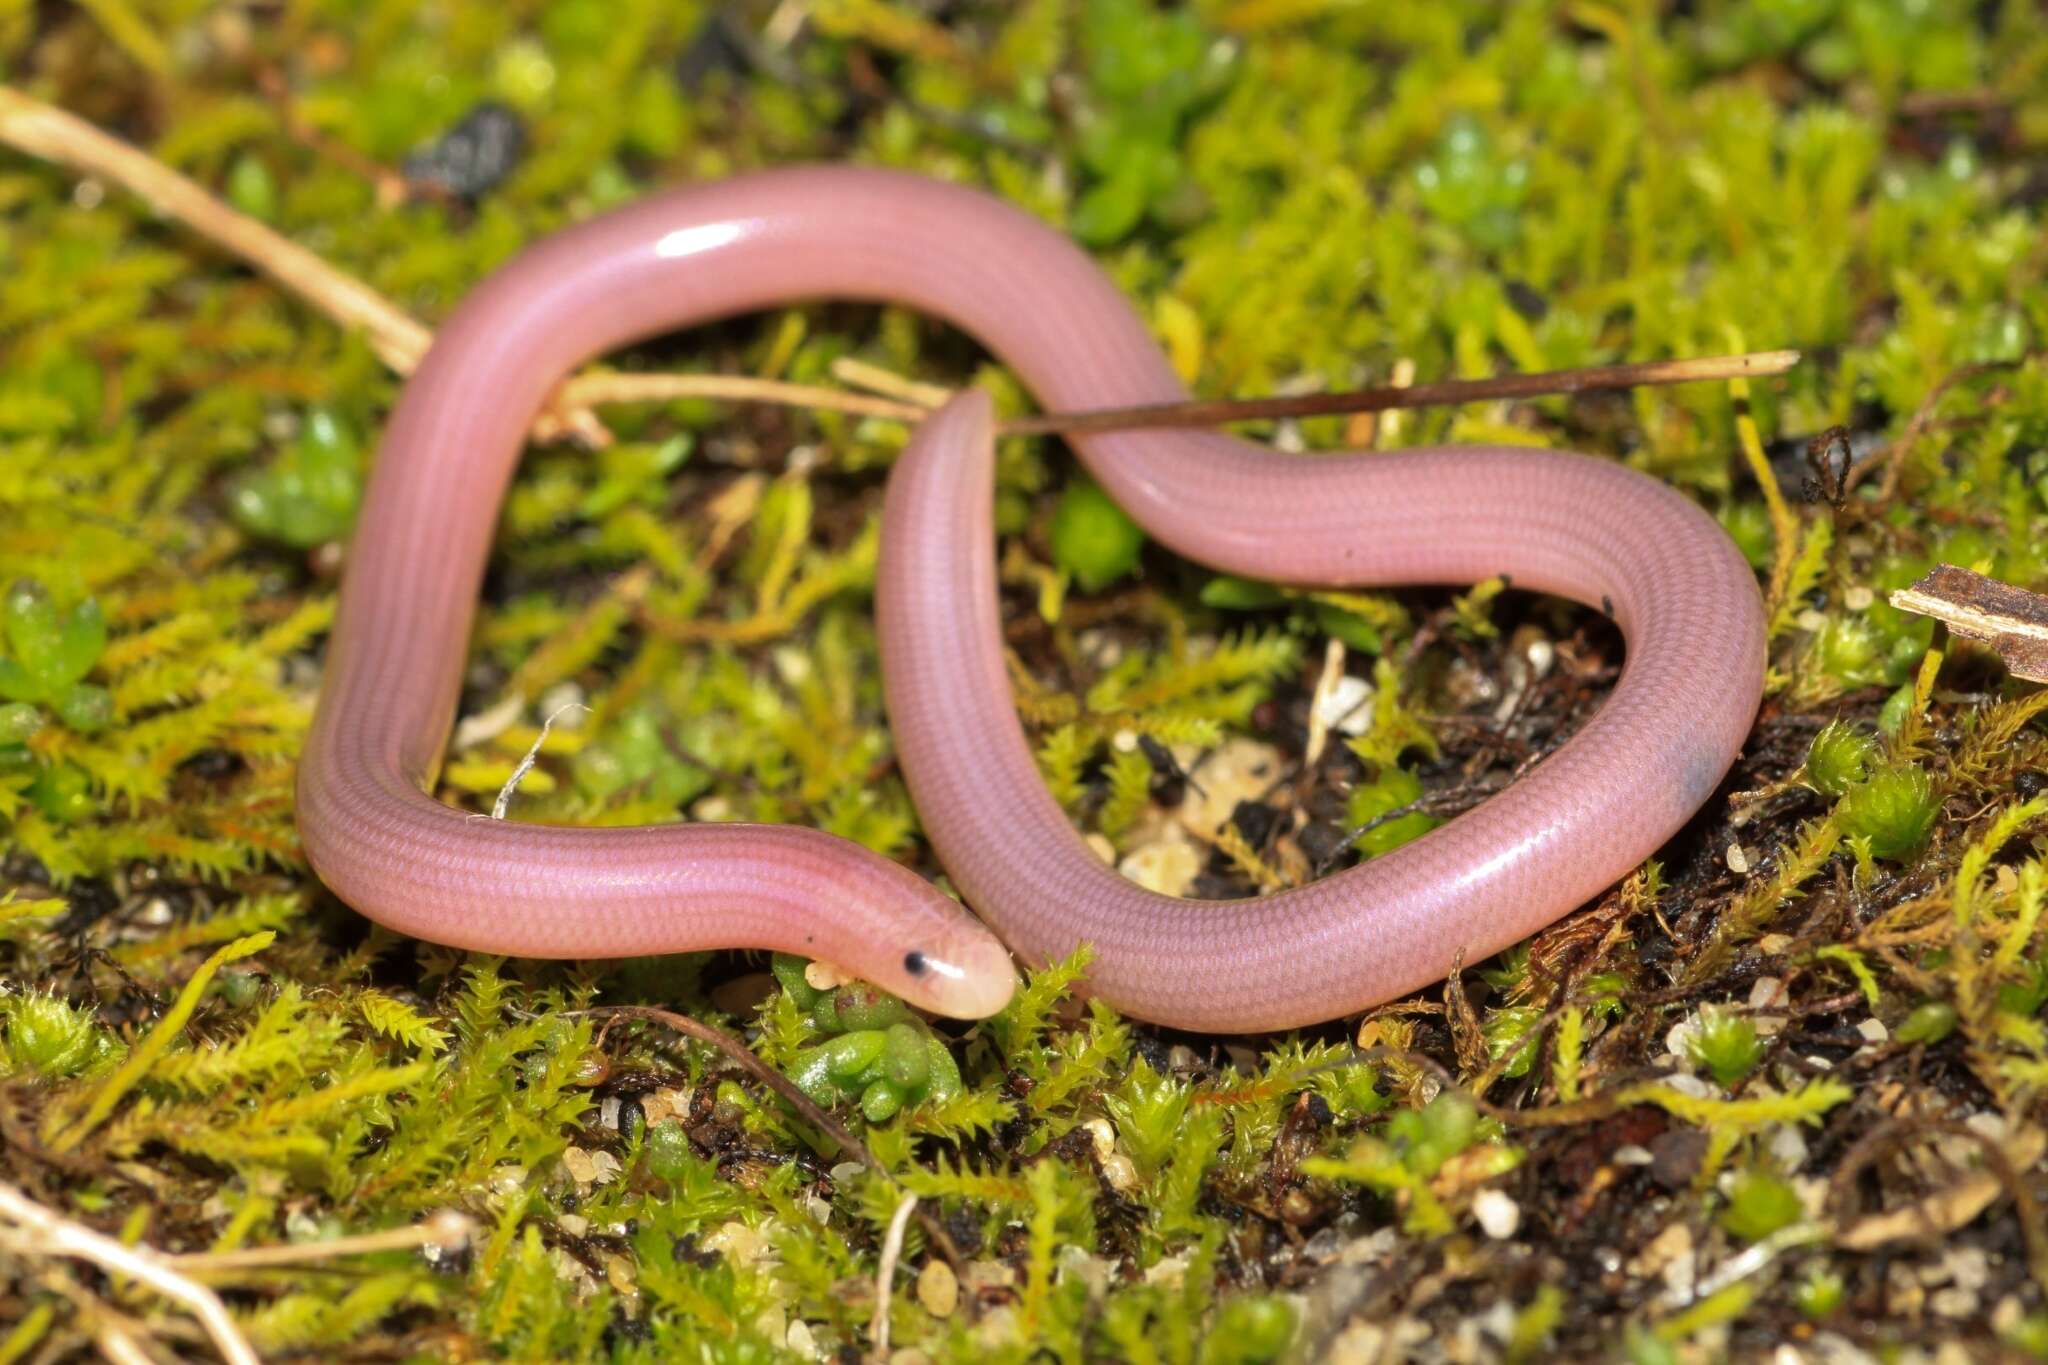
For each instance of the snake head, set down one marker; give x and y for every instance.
(964, 974)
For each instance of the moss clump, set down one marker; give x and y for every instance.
(1894, 809)
(1726, 1045)
(1759, 1204)
(877, 1052)
(1839, 758)
(1394, 789)
(307, 496)
(1092, 538)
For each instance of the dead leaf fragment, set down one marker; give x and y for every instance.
(2012, 621)
(1946, 1209)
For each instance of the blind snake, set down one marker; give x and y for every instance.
(1560, 523)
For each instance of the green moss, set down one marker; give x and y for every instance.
(1894, 810)
(48, 1037)
(1726, 1044)
(308, 495)
(1759, 1203)
(1839, 758)
(1092, 538)
(1928, 1023)
(1821, 1293)
(1394, 789)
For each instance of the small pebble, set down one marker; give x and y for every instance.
(1120, 1172)
(588, 1167)
(1738, 860)
(989, 1275)
(1168, 864)
(1171, 1272)
(1239, 770)
(1347, 706)
(823, 976)
(474, 156)
(1787, 1146)
(1498, 1215)
(1324, 1247)
(739, 1243)
(618, 1273)
(938, 1289)
(1768, 993)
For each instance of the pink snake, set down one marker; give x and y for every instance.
(1554, 522)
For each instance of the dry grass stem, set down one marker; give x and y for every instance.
(1444, 393)
(52, 1234)
(885, 1272)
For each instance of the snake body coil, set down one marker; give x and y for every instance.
(1566, 524)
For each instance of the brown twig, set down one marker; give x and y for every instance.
(48, 132)
(811, 1111)
(2011, 621)
(1893, 454)
(399, 339)
(1444, 393)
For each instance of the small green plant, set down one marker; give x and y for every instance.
(636, 755)
(1248, 1328)
(1760, 1203)
(1839, 758)
(1510, 1032)
(1470, 185)
(48, 655)
(308, 495)
(1820, 1293)
(50, 1037)
(1092, 538)
(1928, 1023)
(1147, 72)
(880, 1053)
(1149, 1110)
(1725, 1044)
(49, 652)
(1430, 1136)
(1894, 809)
(1395, 788)
(1412, 1148)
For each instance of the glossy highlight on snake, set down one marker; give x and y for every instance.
(1554, 522)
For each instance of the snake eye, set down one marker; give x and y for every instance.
(913, 962)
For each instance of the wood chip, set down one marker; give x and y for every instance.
(2012, 621)
(1946, 1209)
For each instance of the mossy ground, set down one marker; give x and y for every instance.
(1786, 1086)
